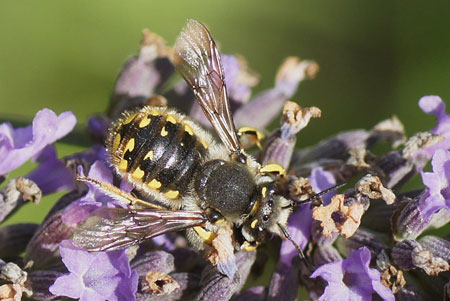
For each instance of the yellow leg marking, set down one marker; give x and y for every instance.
(164, 132)
(138, 173)
(207, 236)
(129, 119)
(255, 135)
(171, 194)
(220, 221)
(149, 155)
(254, 223)
(188, 129)
(144, 122)
(171, 118)
(154, 184)
(130, 145)
(116, 142)
(117, 193)
(123, 165)
(182, 144)
(273, 168)
(248, 247)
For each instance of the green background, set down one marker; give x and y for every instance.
(377, 58)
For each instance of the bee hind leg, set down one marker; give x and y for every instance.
(118, 194)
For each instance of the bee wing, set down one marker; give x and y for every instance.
(198, 61)
(112, 229)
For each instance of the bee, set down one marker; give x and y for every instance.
(192, 182)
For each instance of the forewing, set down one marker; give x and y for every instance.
(198, 61)
(112, 229)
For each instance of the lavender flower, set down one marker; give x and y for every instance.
(95, 276)
(51, 175)
(166, 268)
(435, 106)
(300, 222)
(438, 183)
(100, 172)
(19, 145)
(352, 279)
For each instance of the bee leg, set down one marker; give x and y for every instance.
(205, 235)
(249, 246)
(250, 136)
(273, 169)
(117, 194)
(214, 216)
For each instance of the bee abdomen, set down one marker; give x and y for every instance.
(158, 148)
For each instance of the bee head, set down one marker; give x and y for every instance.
(270, 210)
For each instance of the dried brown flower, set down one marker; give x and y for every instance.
(372, 187)
(336, 217)
(10, 292)
(160, 283)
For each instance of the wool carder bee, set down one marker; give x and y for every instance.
(189, 180)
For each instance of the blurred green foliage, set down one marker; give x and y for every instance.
(377, 58)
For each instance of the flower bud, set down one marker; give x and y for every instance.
(14, 239)
(408, 222)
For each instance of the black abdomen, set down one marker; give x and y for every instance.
(159, 148)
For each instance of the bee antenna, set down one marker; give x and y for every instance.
(318, 195)
(299, 250)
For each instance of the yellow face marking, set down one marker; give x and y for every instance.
(149, 155)
(188, 129)
(138, 173)
(273, 168)
(154, 184)
(116, 142)
(171, 119)
(123, 164)
(207, 236)
(154, 112)
(164, 132)
(254, 208)
(144, 122)
(172, 194)
(129, 119)
(264, 191)
(248, 247)
(130, 145)
(254, 223)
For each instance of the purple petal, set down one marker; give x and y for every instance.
(70, 285)
(331, 272)
(238, 92)
(77, 261)
(352, 276)
(435, 106)
(432, 105)
(23, 143)
(300, 222)
(51, 175)
(438, 185)
(104, 276)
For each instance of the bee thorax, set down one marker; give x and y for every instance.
(226, 186)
